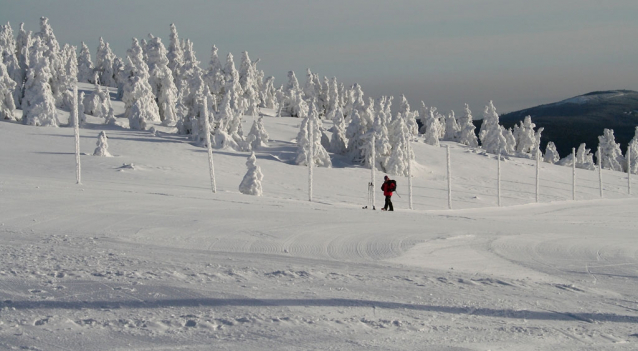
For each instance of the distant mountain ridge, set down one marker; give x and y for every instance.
(581, 119)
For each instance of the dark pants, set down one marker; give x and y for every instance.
(388, 203)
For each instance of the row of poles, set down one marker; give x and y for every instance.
(371, 184)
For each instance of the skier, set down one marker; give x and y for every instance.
(388, 187)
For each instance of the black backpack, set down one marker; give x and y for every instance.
(393, 185)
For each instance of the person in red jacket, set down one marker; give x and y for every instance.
(388, 187)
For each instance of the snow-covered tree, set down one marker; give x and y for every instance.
(382, 146)
(338, 141)
(321, 157)
(409, 116)
(221, 138)
(39, 104)
(269, 94)
(452, 129)
(7, 87)
(551, 154)
(632, 148)
(432, 126)
(356, 135)
(215, 77)
(584, 159)
(102, 146)
(467, 135)
(161, 81)
(85, 65)
(139, 101)
(309, 89)
(54, 57)
(491, 134)
(510, 141)
(251, 184)
(525, 136)
(297, 106)
(397, 163)
(257, 136)
(611, 154)
(234, 91)
(104, 64)
(23, 42)
(175, 56)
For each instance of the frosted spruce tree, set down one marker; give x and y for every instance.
(175, 57)
(9, 57)
(139, 101)
(85, 65)
(249, 86)
(356, 135)
(161, 81)
(268, 94)
(611, 155)
(551, 154)
(102, 146)
(321, 157)
(251, 184)
(491, 134)
(432, 126)
(7, 87)
(257, 136)
(584, 158)
(467, 134)
(333, 96)
(104, 62)
(525, 137)
(382, 147)
(510, 140)
(39, 104)
(221, 138)
(397, 163)
(54, 58)
(338, 141)
(23, 42)
(632, 148)
(452, 129)
(215, 77)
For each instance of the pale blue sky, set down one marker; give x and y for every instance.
(446, 53)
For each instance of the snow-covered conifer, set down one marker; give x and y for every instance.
(397, 163)
(104, 64)
(234, 92)
(382, 146)
(257, 136)
(356, 135)
(269, 94)
(251, 184)
(215, 77)
(161, 81)
(309, 89)
(333, 96)
(338, 142)
(632, 148)
(431, 125)
(321, 157)
(54, 57)
(611, 154)
(175, 56)
(452, 129)
(551, 154)
(85, 65)
(221, 138)
(39, 104)
(7, 87)
(525, 137)
(297, 106)
(138, 97)
(584, 158)
(510, 141)
(491, 134)
(102, 146)
(467, 135)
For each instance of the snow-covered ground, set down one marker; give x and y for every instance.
(143, 256)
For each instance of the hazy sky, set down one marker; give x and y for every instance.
(519, 53)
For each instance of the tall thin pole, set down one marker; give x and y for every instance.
(574, 174)
(211, 165)
(629, 170)
(311, 156)
(409, 174)
(76, 131)
(373, 169)
(538, 174)
(449, 179)
(600, 171)
(498, 179)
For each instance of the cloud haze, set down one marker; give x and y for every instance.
(446, 53)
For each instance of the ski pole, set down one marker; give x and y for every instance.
(397, 194)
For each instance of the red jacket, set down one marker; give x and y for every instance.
(386, 188)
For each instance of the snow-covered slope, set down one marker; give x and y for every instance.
(143, 256)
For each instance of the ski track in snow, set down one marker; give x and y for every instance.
(150, 259)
